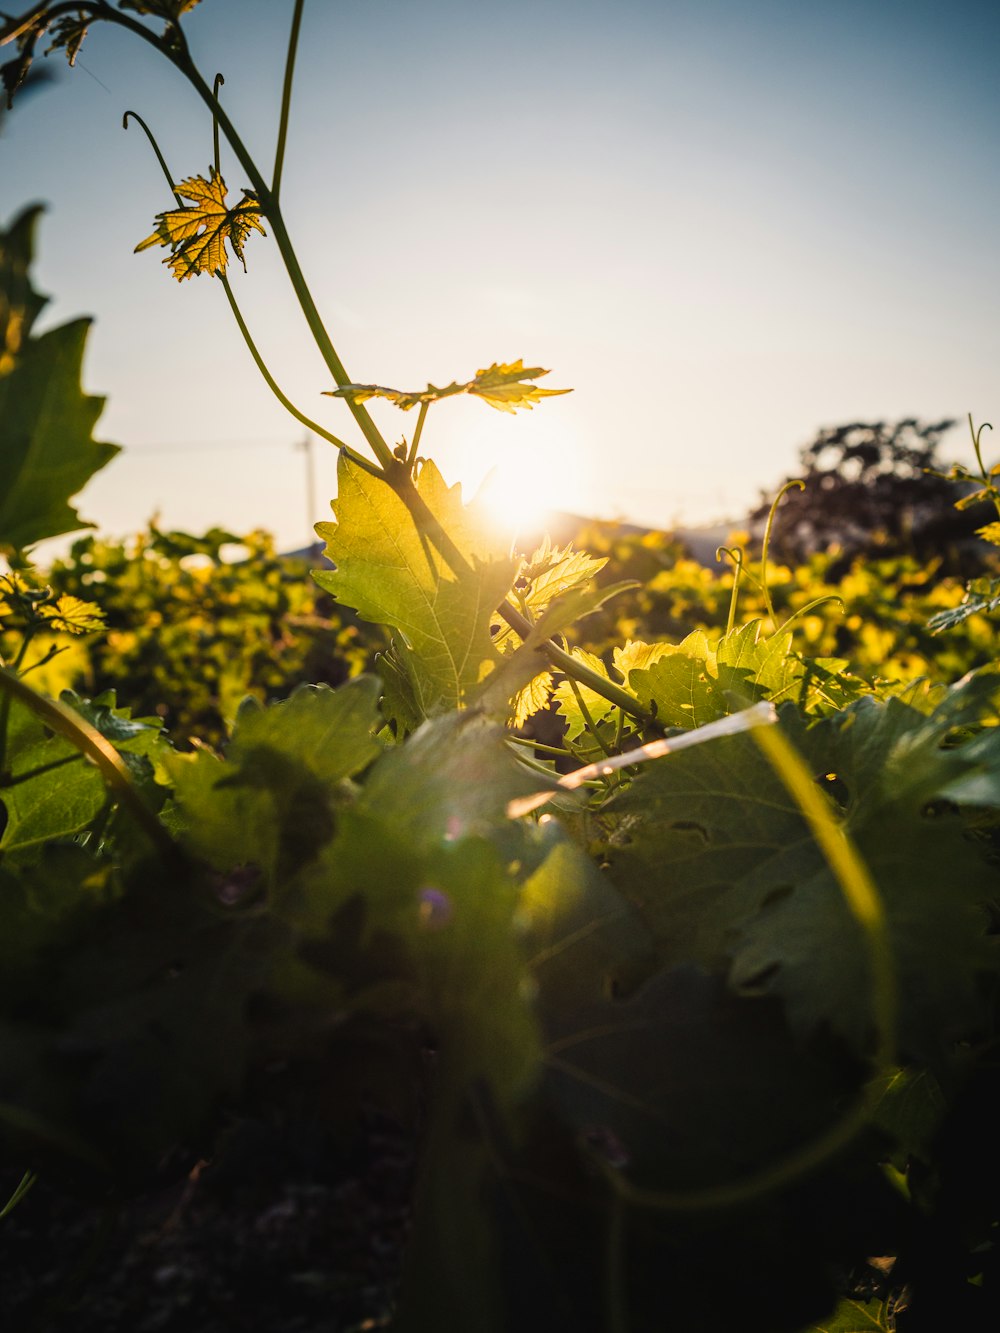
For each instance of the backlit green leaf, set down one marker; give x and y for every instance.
(853, 1316)
(268, 807)
(20, 304)
(391, 574)
(47, 451)
(502, 385)
(720, 863)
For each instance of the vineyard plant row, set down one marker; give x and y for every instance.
(654, 907)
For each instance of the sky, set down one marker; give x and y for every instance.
(723, 223)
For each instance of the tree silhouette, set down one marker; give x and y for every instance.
(872, 489)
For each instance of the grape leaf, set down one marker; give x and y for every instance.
(387, 570)
(413, 908)
(638, 656)
(502, 385)
(42, 902)
(661, 1072)
(68, 34)
(197, 234)
(720, 864)
(72, 615)
(547, 574)
(982, 596)
(269, 804)
(47, 452)
(569, 698)
(853, 1316)
(554, 589)
(66, 793)
(696, 682)
(134, 1029)
(20, 304)
(909, 1105)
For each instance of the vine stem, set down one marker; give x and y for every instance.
(156, 149)
(736, 556)
(89, 741)
(286, 99)
(273, 385)
(411, 457)
(402, 483)
(395, 472)
(261, 365)
(272, 211)
(217, 158)
(767, 542)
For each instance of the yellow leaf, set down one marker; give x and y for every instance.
(550, 572)
(531, 699)
(501, 385)
(569, 700)
(197, 234)
(638, 656)
(73, 616)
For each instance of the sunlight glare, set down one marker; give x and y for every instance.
(531, 481)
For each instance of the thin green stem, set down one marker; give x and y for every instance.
(272, 211)
(217, 158)
(767, 541)
(995, 495)
(619, 733)
(411, 457)
(975, 444)
(395, 472)
(89, 741)
(588, 720)
(286, 99)
(134, 115)
(269, 379)
(45, 659)
(736, 556)
(811, 606)
(538, 747)
(22, 1188)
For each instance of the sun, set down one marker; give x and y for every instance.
(531, 481)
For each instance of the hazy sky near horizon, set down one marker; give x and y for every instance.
(723, 224)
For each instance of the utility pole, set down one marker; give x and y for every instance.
(306, 445)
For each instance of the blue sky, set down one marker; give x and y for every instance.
(724, 224)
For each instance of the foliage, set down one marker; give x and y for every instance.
(982, 595)
(871, 489)
(879, 614)
(195, 624)
(47, 452)
(502, 386)
(726, 1010)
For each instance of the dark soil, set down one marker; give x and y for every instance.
(280, 1237)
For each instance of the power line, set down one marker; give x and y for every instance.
(208, 446)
